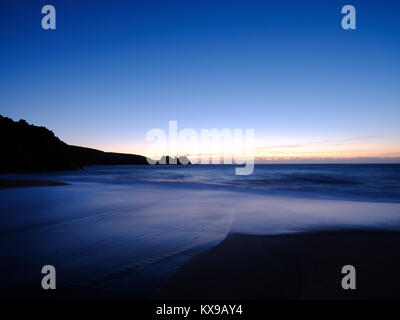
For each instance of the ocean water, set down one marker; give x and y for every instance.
(364, 182)
(120, 231)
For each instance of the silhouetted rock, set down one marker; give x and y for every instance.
(26, 148)
(172, 160)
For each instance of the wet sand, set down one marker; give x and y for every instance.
(19, 183)
(124, 240)
(291, 266)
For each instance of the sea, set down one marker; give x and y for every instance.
(121, 231)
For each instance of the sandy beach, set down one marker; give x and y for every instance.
(291, 266)
(19, 183)
(126, 232)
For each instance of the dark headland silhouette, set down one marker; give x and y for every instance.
(29, 148)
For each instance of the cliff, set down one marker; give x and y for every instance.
(28, 148)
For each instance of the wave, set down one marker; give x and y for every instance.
(377, 182)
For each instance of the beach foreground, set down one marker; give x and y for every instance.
(20, 183)
(121, 232)
(291, 266)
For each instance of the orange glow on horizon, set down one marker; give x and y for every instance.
(312, 152)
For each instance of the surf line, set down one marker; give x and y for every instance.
(172, 310)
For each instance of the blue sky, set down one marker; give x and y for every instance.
(112, 70)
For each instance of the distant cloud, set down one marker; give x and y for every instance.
(312, 160)
(320, 142)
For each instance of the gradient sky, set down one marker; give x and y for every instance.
(112, 70)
